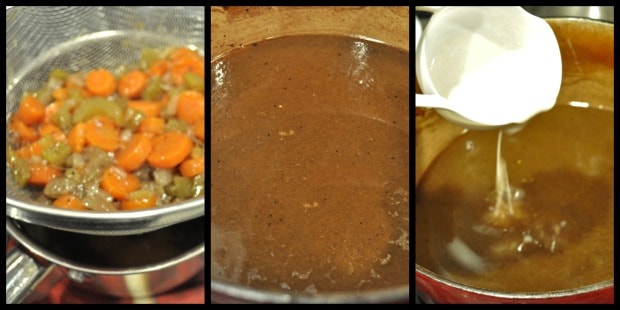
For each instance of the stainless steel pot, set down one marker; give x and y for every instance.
(139, 266)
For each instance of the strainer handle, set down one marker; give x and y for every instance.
(26, 279)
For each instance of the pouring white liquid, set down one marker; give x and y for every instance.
(507, 198)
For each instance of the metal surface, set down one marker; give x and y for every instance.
(604, 13)
(226, 292)
(39, 39)
(33, 268)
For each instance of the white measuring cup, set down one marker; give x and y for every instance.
(487, 67)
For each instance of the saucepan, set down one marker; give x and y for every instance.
(40, 39)
(233, 27)
(587, 48)
(135, 266)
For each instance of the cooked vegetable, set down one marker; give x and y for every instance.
(148, 108)
(199, 129)
(191, 107)
(134, 154)
(100, 82)
(153, 90)
(193, 81)
(132, 84)
(31, 111)
(192, 167)
(101, 132)
(41, 174)
(180, 187)
(154, 125)
(98, 106)
(69, 201)
(119, 183)
(19, 168)
(140, 199)
(90, 141)
(57, 153)
(170, 149)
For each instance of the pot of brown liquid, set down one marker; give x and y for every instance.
(242, 269)
(543, 265)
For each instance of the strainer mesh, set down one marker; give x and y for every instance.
(40, 39)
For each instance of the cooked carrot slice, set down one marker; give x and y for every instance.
(134, 154)
(190, 106)
(60, 94)
(149, 108)
(192, 167)
(101, 132)
(119, 183)
(68, 201)
(198, 129)
(41, 174)
(139, 200)
(31, 111)
(77, 137)
(100, 82)
(52, 130)
(185, 60)
(153, 125)
(29, 150)
(170, 149)
(158, 68)
(24, 132)
(132, 84)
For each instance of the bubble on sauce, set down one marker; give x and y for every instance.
(402, 241)
(400, 195)
(386, 260)
(311, 289)
(254, 276)
(302, 276)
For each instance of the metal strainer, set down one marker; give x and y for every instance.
(40, 39)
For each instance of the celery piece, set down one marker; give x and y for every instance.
(57, 153)
(181, 187)
(194, 81)
(92, 107)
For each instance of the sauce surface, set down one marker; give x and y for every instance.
(310, 165)
(561, 166)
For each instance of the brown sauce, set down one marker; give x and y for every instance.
(561, 164)
(310, 165)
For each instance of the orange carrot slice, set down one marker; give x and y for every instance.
(68, 201)
(119, 183)
(190, 106)
(132, 84)
(101, 132)
(31, 111)
(134, 154)
(170, 149)
(100, 82)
